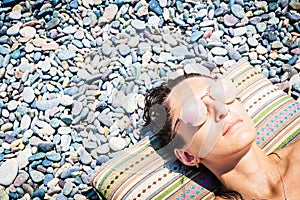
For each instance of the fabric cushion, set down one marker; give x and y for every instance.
(145, 171)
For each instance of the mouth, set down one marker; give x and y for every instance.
(231, 125)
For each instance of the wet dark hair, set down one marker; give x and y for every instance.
(158, 118)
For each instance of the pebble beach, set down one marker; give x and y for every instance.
(74, 73)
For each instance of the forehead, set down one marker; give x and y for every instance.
(190, 87)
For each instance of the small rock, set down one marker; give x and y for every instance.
(110, 12)
(138, 25)
(85, 157)
(22, 158)
(117, 144)
(20, 179)
(10, 166)
(28, 95)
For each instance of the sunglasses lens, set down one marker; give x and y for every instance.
(224, 91)
(193, 112)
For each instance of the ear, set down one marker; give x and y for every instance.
(186, 158)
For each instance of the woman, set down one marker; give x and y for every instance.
(214, 130)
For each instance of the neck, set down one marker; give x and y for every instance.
(258, 172)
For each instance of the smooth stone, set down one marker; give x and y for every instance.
(54, 22)
(66, 54)
(40, 193)
(21, 178)
(155, 7)
(48, 178)
(129, 104)
(196, 35)
(65, 142)
(36, 176)
(22, 158)
(12, 105)
(64, 130)
(230, 20)
(4, 50)
(69, 30)
(15, 15)
(239, 31)
(45, 147)
(196, 68)
(52, 156)
(3, 194)
(79, 197)
(170, 40)
(102, 159)
(124, 49)
(277, 45)
(85, 157)
(252, 42)
(238, 11)
(68, 187)
(28, 32)
(66, 100)
(28, 94)
(68, 172)
(37, 156)
(11, 166)
(25, 122)
(110, 12)
(106, 49)
(103, 149)
(138, 25)
(117, 144)
(13, 30)
(261, 50)
(261, 27)
(105, 120)
(47, 104)
(219, 51)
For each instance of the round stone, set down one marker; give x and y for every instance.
(12, 105)
(8, 171)
(28, 94)
(124, 49)
(138, 25)
(117, 143)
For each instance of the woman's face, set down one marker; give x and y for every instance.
(209, 118)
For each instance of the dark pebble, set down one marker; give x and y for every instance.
(46, 11)
(6, 3)
(155, 7)
(45, 146)
(293, 60)
(13, 195)
(38, 193)
(9, 139)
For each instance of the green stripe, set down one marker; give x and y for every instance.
(269, 108)
(239, 72)
(142, 148)
(177, 184)
(289, 139)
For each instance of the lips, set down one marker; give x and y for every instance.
(231, 124)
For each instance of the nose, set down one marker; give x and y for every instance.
(218, 109)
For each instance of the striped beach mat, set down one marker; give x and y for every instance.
(146, 171)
